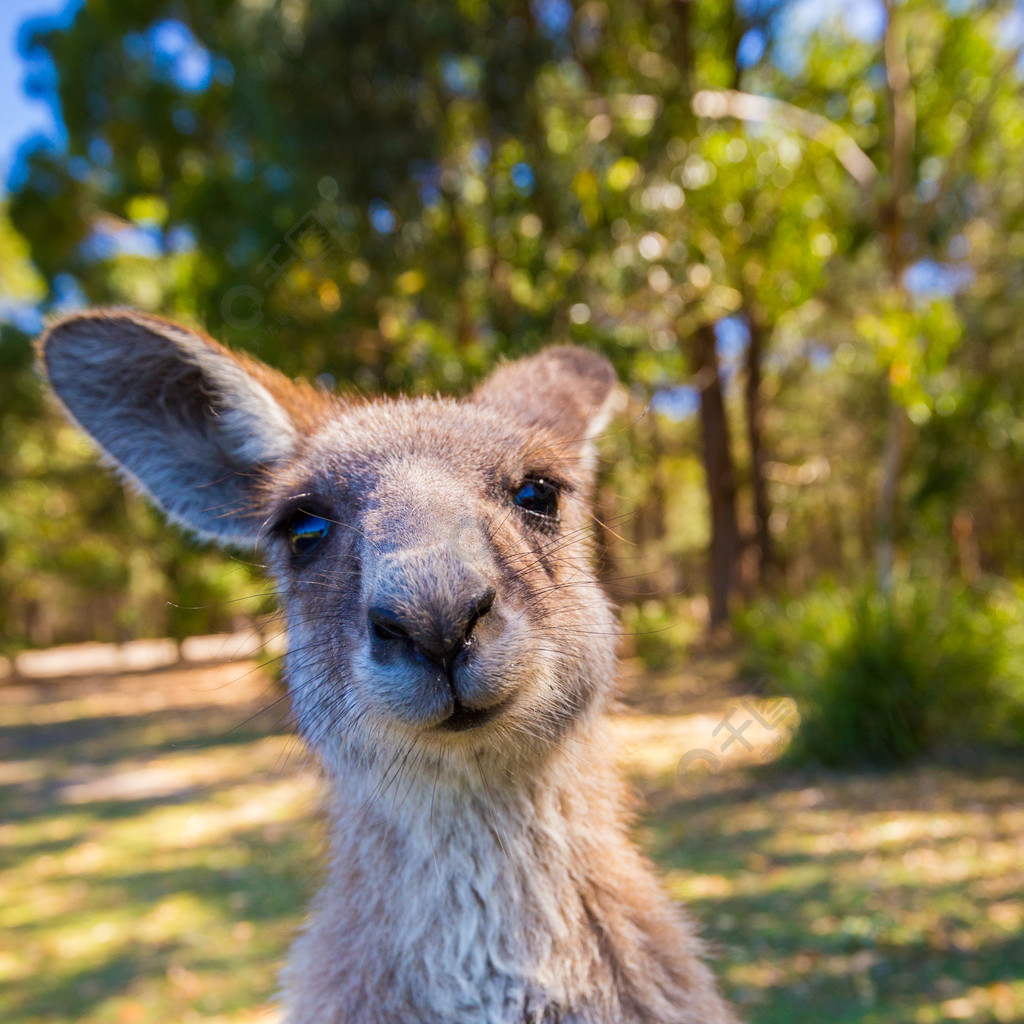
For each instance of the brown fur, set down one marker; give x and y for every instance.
(451, 663)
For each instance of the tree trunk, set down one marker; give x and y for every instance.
(755, 419)
(893, 219)
(892, 461)
(720, 474)
(683, 42)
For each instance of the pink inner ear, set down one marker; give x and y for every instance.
(566, 389)
(183, 418)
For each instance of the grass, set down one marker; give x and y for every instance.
(883, 677)
(159, 842)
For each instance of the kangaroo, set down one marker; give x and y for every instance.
(451, 660)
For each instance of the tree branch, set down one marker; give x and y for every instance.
(904, 116)
(745, 106)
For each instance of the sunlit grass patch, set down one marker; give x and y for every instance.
(161, 850)
(856, 899)
(156, 862)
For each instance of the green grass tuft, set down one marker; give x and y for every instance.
(882, 678)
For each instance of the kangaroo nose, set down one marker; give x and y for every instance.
(438, 633)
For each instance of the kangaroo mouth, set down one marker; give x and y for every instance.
(464, 718)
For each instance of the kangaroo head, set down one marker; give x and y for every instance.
(433, 555)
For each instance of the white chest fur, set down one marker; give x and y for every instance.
(443, 905)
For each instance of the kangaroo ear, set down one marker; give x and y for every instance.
(570, 391)
(189, 422)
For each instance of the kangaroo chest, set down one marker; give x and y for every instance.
(456, 914)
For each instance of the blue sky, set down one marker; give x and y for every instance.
(23, 116)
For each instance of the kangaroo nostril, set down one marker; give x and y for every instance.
(479, 608)
(385, 626)
(430, 630)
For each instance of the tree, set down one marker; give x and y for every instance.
(391, 197)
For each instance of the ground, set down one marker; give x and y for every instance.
(159, 839)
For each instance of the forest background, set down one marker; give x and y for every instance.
(795, 227)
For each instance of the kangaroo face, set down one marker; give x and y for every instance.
(433, 555)
(434, 559)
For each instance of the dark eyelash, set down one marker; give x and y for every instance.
(305, 504)
(311, 504)
(547, 476)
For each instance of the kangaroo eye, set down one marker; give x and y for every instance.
(538, 497)
(305, 531)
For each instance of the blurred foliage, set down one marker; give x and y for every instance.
(394, 196)
(659, 632)
(881, 678)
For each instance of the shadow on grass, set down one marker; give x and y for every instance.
(72, 994)
(114, 911)
(846, 898)
(853, 898)
(266, 887)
